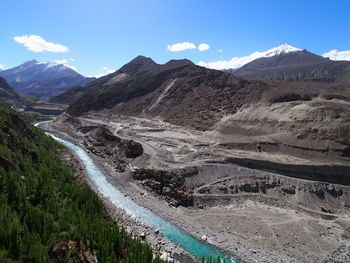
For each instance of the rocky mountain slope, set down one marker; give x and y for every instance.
(42, 80)
(299, 118)
(296, 66)
(8, 95)
(178, 91)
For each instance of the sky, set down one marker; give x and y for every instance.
(98, 36)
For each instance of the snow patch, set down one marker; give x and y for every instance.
(337, 55)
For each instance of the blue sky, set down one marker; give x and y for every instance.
(109, 33)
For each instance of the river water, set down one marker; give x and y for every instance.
(190, 244)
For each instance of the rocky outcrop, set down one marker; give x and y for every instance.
(168, 184)
(101, 141)
(103, 134)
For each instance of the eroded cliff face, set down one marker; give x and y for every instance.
(308, 122)
(223, 184)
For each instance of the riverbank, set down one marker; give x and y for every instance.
(161, 245)
(247, 227)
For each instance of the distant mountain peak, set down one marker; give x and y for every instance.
(337, 55)
(238, 62)
(28, 64)
(139, 63)
(142, 60)
(282, 49)
(42, 79)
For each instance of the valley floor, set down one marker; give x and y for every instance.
(257, 227)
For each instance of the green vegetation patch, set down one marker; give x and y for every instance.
(48, 215)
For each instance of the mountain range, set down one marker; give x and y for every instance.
(42, 80)
(46, 80)
(286, 114)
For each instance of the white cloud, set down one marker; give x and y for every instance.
(203, 47)
(2, 67)
(36, 43)
(181, 46)
(220, 50)
(108, 70)
(97, 75)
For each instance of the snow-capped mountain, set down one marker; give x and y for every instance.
(238, 62)
(42, 79)
(295, 66)
(337, 55)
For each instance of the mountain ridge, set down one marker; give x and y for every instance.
(296, 66)
(136, 68)
(176, 83)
